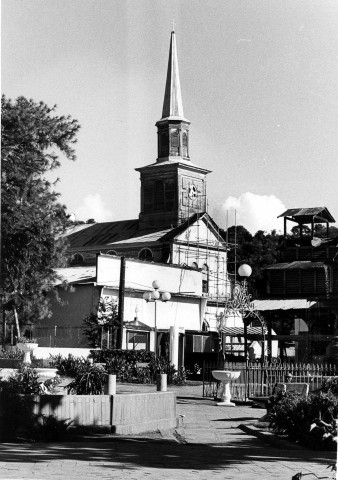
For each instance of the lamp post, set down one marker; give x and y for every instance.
(245, 272)
(154, 296)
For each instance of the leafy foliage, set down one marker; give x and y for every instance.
(131, 356)
(138, 366)
(26, 340)
(69, 366)
(330, 385)
(89, 381)
(24, 381)
(310, 421)
(32, 220)
(11, 354)
(98, 323)
(257, 250)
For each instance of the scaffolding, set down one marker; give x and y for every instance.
(208, 252)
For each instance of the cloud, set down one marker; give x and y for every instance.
(93, 207)
(254, 212)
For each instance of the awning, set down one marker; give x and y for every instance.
(291, 304)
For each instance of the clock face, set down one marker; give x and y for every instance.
(192, 192)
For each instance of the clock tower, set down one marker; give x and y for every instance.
(173, 188)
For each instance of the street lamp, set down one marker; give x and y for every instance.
(245, 271)
(154, 296)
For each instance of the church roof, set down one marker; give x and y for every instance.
(172, 104)
(126, 232)
(142, 237)
(103, 233)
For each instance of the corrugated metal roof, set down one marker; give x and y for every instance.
(76, 275)
(306, 215)
(297, 265)
(287, 304)
(145, 238)
(103, 233)
(126, 232)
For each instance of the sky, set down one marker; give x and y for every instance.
(259, 82)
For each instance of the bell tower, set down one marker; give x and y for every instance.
(173, 188)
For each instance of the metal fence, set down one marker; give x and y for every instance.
(65, 336)
(259, 380)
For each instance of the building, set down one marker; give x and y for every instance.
(173, 232)
(300, 298)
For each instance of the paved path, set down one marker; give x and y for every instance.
(209, 445)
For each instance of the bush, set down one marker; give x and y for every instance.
(310, 421)
(89, 381)
(24, 381)
(70, 366)
(12, 354)
(128, 368)
(130, 356)
(330, 385)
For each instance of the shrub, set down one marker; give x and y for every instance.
(24, 381)
(89, 381)
(26, 340)
(311, 420)
(130, 356)
(70, 366)
(330, 385)
(12, 354)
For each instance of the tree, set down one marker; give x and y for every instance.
(32, 219)
(257, 250)
(103, 323)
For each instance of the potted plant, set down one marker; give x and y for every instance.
(27, 345)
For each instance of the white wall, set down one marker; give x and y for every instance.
(179, 311)
(45, 352)
(140, 275)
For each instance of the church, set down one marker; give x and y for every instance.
(173, 227)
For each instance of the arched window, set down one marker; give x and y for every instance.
(77, 259)
(146, 254)
(205, 278)
(174, 142)
(185, 143)
(111, 252)
(163, 147)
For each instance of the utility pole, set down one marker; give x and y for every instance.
(121, 300)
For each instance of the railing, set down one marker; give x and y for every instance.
(259, 380)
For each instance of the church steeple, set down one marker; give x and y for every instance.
(173, 188)
(173, 128)
(172, 104)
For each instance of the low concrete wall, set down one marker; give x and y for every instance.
(10, 362)
(125, 414)
(87, 410)
(143, 412)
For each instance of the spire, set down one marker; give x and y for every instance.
(172, 104)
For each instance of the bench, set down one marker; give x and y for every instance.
(299, 388)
